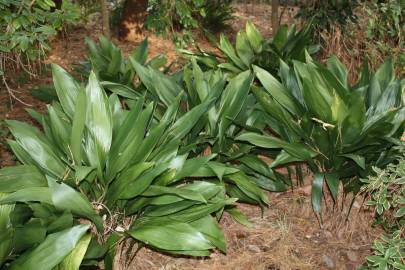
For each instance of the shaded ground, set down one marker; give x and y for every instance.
(287, 235)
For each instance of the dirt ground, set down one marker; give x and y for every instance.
(287, 235)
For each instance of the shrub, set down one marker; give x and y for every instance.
(326, 14)
(233, 112)
(339, 130)
(188, 15)
(26, 27)
(98, 165)
(386, 188)
(251, 48)
(387, 192)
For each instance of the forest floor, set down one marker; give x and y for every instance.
(285, 235)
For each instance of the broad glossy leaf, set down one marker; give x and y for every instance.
(248, 187)
(19, 177)
(237, 215)
(125, 145)
(66, 198)
(317, 186)
(183, 193)
(37, 147)
(98, 123)
(233, 99)
(140, 184)
(78, 124)
(298, 150)
(6, 232)
(277, 90)
(29, 235)
(31, 194)
(243, 49)
(74, 259)
(59, 245)
(120, 89)
(172, 236)
(140, 53)
(255, 37)
(338, 69)
(360, 160)
(66, 88)
(333, 181)
(209, 227)
(122, 182)
(227, 48)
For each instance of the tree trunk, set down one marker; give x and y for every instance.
(132, 19)
(58, 5)
(105, 15)
(274, 15)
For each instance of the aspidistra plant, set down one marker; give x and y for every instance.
(96, 165)
(251, 48)
(339, 130)
(233, 112)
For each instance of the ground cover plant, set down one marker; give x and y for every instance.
(251, 48)
(87, 164)
(386, 188)
(339, 130)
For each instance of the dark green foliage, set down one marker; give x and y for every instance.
(94, 152)
(251, 48)
(188, 16)
(25, 27)
(339, 130)
(324, 14)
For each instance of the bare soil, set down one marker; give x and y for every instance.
(286, 235)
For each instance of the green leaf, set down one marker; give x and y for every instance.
(98, 123)
(66, 88)
(59, 245)
(171, 237)
(183, 193)
(20, 177)
(248, 187)
(74, 259)
(6, 231)
(31, 234)
(237, 215)
(37, 147)
(138, 185)
(209, 227)
(32, 194)
(255, 37)
(360, 160)
(333, 181)
(243, 49)
(297, 150)
(277, 91)
(229, 51)
(129, 138)
(400, 213)
(338, 69)
(233, 99)
(78, 125)
(317, 186)
(66, 198)
(140, 53)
